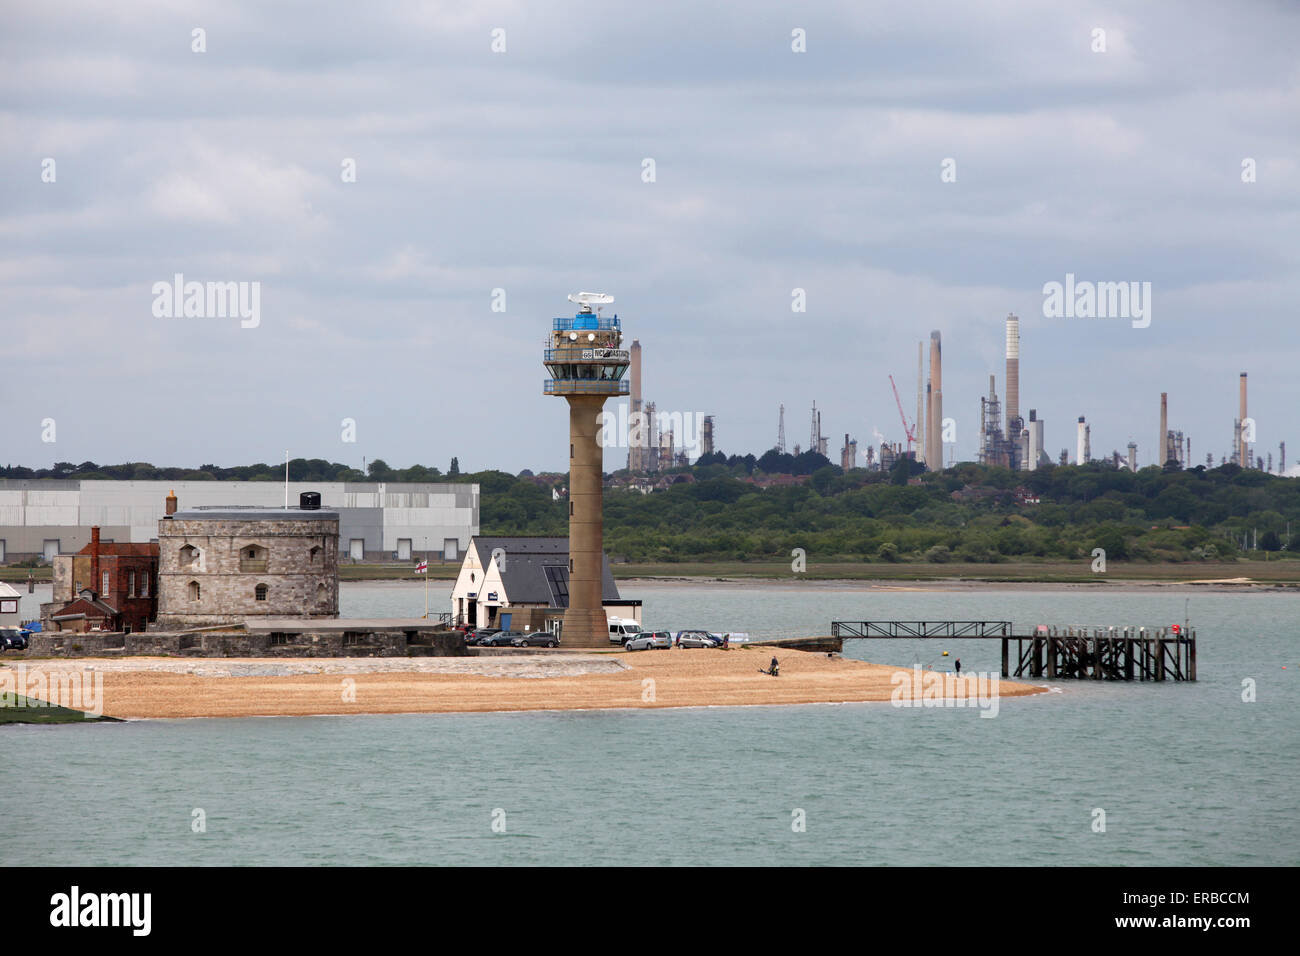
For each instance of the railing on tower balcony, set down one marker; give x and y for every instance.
(556, 386)
(584, 352)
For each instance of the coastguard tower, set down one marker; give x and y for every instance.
(586, 362)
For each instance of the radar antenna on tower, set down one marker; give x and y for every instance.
(585, 300)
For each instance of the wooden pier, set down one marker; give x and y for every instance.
(1083, 653)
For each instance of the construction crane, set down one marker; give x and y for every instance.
(910, 430)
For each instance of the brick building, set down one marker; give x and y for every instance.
(107, 585)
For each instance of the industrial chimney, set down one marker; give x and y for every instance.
(94, 560)
(1013, 377)
(1162, 446)
(1243, 448)
(934, 448)
(640, 434)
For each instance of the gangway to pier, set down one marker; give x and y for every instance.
(920, 628)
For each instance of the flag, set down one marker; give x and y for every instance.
(422, 567)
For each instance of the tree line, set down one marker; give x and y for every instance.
(714, 510)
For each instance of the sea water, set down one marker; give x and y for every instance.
(1091, 773)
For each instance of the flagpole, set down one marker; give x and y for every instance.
(426, 577)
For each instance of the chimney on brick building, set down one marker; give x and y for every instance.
(171, 503)
(94, 559)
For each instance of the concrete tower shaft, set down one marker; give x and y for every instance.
(585, 624)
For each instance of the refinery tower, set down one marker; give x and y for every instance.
(586, 363)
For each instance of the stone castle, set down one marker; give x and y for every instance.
(222, 565)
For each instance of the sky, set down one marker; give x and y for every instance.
(915, 167)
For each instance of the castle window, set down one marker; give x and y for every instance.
(321, 594)
(259, 592)
(315, 553)
(195, 592)
(252, 557)
(189, 556)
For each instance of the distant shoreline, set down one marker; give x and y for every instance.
(791, 582)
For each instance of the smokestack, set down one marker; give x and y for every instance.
(1013, 375)
(1162, 446)
(94, 560)
(922, 436)
(934, 452)
(1243, 450)
(1132, 456)
(636, 449)
(1081, 444)
(170, 507)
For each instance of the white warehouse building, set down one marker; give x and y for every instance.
(377, 521)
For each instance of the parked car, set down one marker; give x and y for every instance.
(482, 634)
(500, 639)
(697, 639)
(650, 640)
(13, 639)
(536, 639)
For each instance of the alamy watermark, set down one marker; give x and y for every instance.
(1098, 300)
(179, 299)
(625, 429)
(921, 688)
(73, 689)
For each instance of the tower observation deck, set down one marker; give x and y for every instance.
(586, 363)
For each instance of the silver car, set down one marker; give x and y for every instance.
(650, 640)
(697, 639)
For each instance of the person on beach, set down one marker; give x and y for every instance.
(959, 665)
(775, 669)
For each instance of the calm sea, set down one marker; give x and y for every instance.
(1185, 774)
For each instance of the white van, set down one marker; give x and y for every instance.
(622, 629)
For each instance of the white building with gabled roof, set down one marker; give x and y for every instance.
(502, 577)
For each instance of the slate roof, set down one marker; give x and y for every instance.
(537, 569)
(129, 548)
(82, 607)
